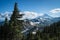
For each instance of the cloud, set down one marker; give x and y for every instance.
(57, 10)
(27, 15)
(31, 15)
(5, 14)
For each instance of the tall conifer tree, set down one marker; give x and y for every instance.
(15, 24)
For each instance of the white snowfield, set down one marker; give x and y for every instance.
(24, 31)
(34, 23)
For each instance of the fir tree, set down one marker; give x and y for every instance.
(38, 35)
(6, 23)
(15, 24)
(5, 29)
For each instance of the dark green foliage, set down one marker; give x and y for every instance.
(5, 30)
(52, 31)
(11, 30)
(32, 36)
(15, 24)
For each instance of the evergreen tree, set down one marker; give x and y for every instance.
(15, 24)
(31, 36)
(38, 35)
(6, 23)
(52, 32)
(5, 29)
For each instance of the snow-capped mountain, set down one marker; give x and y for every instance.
(45, 16)
(44, 20)
(34, 18)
